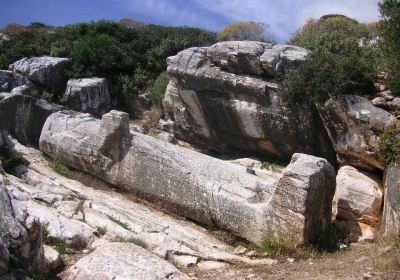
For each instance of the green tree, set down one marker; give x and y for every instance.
(244, 31)
(338, 64)
(389, 32)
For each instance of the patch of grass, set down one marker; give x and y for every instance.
(137, 242)
(118, 222)
(389, 144)
(280, 247)
(132, 240)
(60, 167)
(151, 121)
(60, 247)
(10, 159)
(274, 165)
(100, 231)
(69, 197)
(157, 89)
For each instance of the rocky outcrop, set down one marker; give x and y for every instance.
(88, 95)
(354, 126)
(112, 217)
(122, 261)
(202, 188)
(20, 235)
(45, 70)
(10, 80)
(358, 200)
(391, 210)
(224, 96)
(23, 116)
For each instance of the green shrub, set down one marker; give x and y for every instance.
(389, 33)
(158, 88)
(60, 168)
(137, 242)
(277, 247)
(244, 31)
(389, 144)
(337, 65)
(10, 159)
(130, 58)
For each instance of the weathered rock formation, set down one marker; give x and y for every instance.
(47, 71)
(202, 188)
(391, 211)
(71, 210)
(225, 96)
(20, 235)
(354, 126)
(122, 261)
(23, 116)
(10, 80)
(358, 201)
(88, 95)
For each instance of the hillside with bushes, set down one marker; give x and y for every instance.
(130, 56)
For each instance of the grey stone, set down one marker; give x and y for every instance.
(164, 235)
(4, 38)
(380, 102)
(53, 261)
(4, 258)
(10, 81)
(88, 95)
(358, 196)
(354, 126)
(20, 233)
(391, 210)
(282, 57)
(23, 116)
(222, 110)
(394, 104)
(121, 261)
(45, 70)
(387, 94)
(202, 188)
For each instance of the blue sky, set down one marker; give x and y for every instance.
(282, 16)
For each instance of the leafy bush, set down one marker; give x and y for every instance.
(244, 30)
(157, 90)
(60, 168)
(389, 32)
(10, 158)
(131, 56)
(389, 144)
(338, 64)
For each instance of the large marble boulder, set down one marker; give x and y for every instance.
(88, 95)
(224, 96)
(10, 80)
(122, 261)
(199, 187)
(391, 210)
(45, 70)
(354, 126)
(20, 236)
(358, 202)
(23, 116)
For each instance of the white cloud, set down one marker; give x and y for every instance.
(283, 16)
(286, 16)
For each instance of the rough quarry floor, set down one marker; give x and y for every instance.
(101, 217)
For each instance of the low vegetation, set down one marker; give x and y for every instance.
(60, 168)
(130, 55)
(244, 31)
(339, 62)
(135, 241)
(389, 144)
(59, 246)
(118, 222)
(10, 159)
